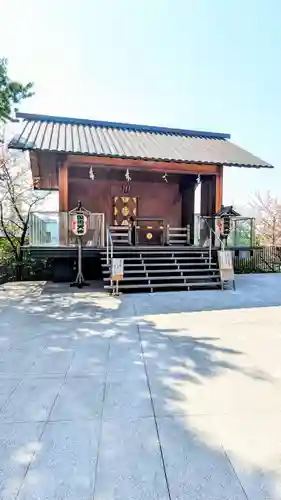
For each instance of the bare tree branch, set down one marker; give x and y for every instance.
(268, 219)
(17, 200)
(6, 232)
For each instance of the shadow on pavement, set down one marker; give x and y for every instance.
(194, 460)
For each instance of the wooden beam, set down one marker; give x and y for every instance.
(63, 187)
(148, 165)
(63, 202)
(219, 189)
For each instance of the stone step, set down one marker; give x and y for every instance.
(168, 257)
(150, 278)
(183, 286)
(150, 265)
(157, 251)
(165, 271)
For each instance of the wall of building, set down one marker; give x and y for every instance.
(155, 198)
(44, 170)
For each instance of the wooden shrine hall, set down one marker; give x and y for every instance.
(128, 176)
(124, 170)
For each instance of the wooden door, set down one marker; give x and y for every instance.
(124, 207)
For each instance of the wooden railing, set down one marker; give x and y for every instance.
(120, 234)
(171, 235)
(178, 235)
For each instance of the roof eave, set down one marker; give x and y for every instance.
(163, 160)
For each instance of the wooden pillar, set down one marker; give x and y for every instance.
(211, 199)
(208, 205)
(187, 187)
(211, 193)
(208, 195)
(63, 187)
(63, 203)
(219, 190)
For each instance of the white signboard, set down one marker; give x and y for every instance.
(226, 265)
(117, 269)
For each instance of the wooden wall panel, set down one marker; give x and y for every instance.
(34, 164)
(44, 170)
(154, 198)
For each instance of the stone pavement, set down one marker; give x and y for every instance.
(142, 397)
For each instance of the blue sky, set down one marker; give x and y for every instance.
(197, 64)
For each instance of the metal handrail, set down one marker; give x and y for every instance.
(222, 243)
(109, 245)
(211, 232)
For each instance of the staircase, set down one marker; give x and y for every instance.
(163, 268)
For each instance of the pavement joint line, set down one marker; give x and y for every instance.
(12, 422)
(10, 395)
(130, 418)
(73, 420)
(94, 478)
(235, 473)
(153, 411)
(45, 422)
(68, 368)
(83, 375)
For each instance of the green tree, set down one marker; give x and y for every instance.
(11, 93)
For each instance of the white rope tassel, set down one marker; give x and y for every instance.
(91, 174)
(165, 177)
(127, 175)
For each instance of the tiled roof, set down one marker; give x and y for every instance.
(122, 140)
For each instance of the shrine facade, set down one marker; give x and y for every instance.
(124, 171)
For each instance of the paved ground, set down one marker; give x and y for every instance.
(164, 396)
